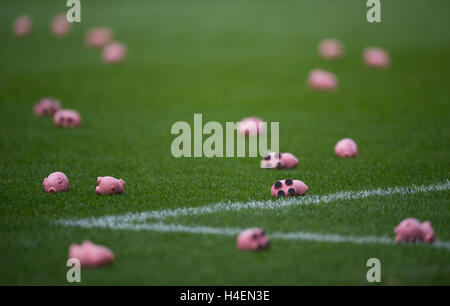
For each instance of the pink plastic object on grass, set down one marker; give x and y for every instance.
(98, 37)
(252, 239)
(330, 48)
(46, 106)
(56, 182)
(279, 160)
(288, 187)
(90, 254)
(322, 80)
(67, 118)
(60, 26)
(114, 52)
(22, 25)
(252, 126)
(346, 148)
(109, 185)
(376, 57)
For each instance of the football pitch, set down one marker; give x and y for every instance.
(177, 220)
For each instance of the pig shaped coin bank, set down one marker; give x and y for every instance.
(60, 26)
(288, 187)
(114, 52)
(276, 160)
(98, 37)
(67, 118)
(109, 185)
(330, 48)
(251, 126)
(90, 254)
(346, 148)
(46, 106)
(22, 25)
(56, 182)
(376, 57)
(322, 80)
(252, 239)
(409, 230)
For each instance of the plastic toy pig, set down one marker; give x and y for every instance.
(346, 148)
(60, 26)
(56, 182)
(251, 126)
(67, 118)
(114, 52)
(330, 48)
(279, 160)
(90, 254)
(427, 232)
(319, 79)
(46, 107)
(22, 25)
(376, 57)
(288, 187)
(252, 239)
(98, 37)
(109, 185)
(409, 230)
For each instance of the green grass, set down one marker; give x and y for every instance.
(226, 60)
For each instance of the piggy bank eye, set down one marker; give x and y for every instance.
(61, 119)
(254, 236)
(69, 120)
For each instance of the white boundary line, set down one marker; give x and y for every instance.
(112, 220)
(125, 222)
(302, 236)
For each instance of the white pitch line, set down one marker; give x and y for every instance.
(305, 236)
(108, 221)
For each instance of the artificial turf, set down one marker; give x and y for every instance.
(226, 60)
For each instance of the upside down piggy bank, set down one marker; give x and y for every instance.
(330, 48)
(22, 25)
(252, 239)
(60, 26)
(90, 254)
(109, 185)
(46, 106)
(288, 187)
(67, 118)
(279, 160)
(56, 182)
(376, 57)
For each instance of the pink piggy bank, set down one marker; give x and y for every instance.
(279, 160)
(252, 239)
(376, 57)
(330, 48)
(98, 37)
(427, 232)
(346, 148)
(90, 254)
(67, 118)
(22, 25)
(46, 106)
(322, 80)
(409, 230)
(251, 126)
(288, 187)
(56, 182)
(114, 52)
(60, 25)
(109, 185)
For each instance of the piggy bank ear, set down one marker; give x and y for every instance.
(99, 180)
(122, 181)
